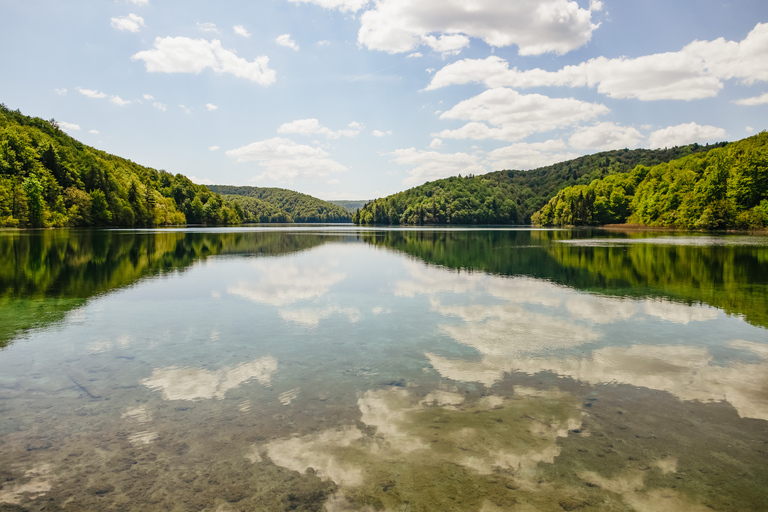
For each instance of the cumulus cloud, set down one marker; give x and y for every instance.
(70, 127)
(436, 143)
(341, 5)
(241, 31)
(60, 92)
(513, 116)
(530, 155)
(285, 40)
(414, 55)
(94, 132)
(757, 100)
(148, 97)
(431, 165)
(207, 27)
(284, 160)
(211, 106)
(313, 127)
(186, 55)
(91, 93)
(697, 71)
(684, 134)
(535, 26)
(130, 23)
(117, 100)
(214, 148)
(160, 106)
(379, 133)
(139, 2)
(201, 181)
(605, 136)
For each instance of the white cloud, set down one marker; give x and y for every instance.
(450, 44)
(342, 5)
(186, 55)
(214, 148)
(355, 125)
(201, 181)
(324, 42)
(139, 2)
(117, 100)
(186, 109)
(695, 72)
(595, 5)
(435, 144)
(524, 156)
(71, 127)
(241, 31)
(160, 106)
(91, 93)
(94, 132)
(130, 23)
(684, 134)
(748, 129)
(535, 26)
(148, 97)
(284, 160)
(513, 116)
(313, 126)
(285, 40)
(211, 106)
(757, 100)
(431, 165)
(414, 55)
(605, 136)
(379, 133)
(60, 92)
(207, 27)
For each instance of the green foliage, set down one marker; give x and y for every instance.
(724, 188)
(509, 197)
(286, 205)
(49, 179)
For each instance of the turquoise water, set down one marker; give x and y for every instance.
(333, 368)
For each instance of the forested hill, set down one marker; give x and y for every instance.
(294, 206)
(721, 189)
(47, 178)
(507, 197)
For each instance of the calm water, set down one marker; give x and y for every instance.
(346, 369)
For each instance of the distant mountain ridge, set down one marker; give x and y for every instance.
(507, 197)
(293, 206)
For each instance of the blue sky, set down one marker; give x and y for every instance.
(348, 99)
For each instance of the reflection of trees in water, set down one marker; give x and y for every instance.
(44, 274)
(732, 278)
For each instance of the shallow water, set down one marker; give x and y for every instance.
(332, 368)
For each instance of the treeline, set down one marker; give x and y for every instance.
(49, 179)
(506, 197)
(721, 189)
(280, 205)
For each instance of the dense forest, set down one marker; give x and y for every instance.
(724, 188)
(269, 204)
(47, 178)
(507, 197)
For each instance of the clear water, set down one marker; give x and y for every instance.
(332, 368)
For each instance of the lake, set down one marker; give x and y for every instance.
(342, 368)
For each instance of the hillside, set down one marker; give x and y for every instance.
(723, 188)
(295, 206)
(49, 179)
(507, 197)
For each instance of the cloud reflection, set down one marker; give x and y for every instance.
(282, 283)
(198, 383)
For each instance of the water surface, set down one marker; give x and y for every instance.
(350, 369)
